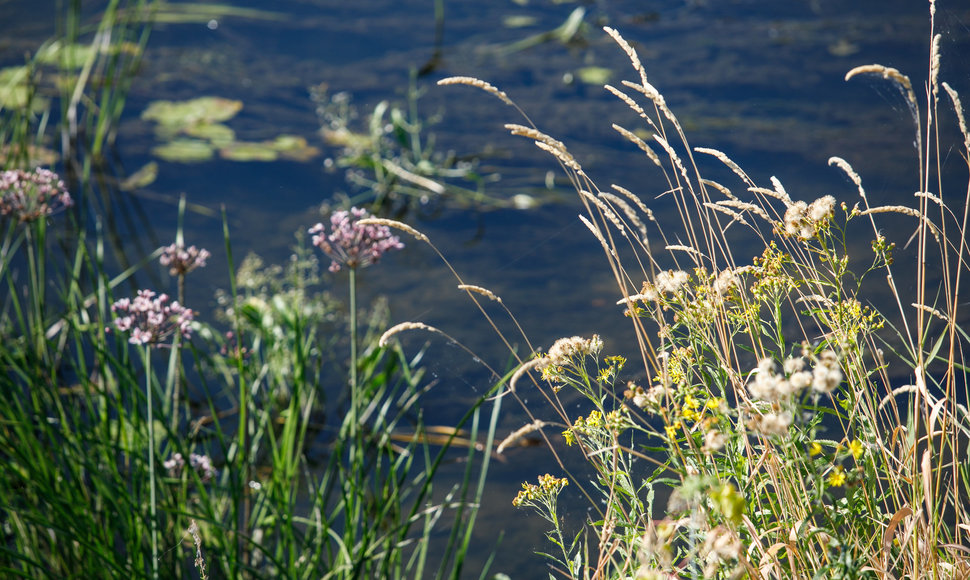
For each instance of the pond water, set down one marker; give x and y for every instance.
(758, 79)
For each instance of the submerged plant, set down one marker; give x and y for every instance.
(390, 157)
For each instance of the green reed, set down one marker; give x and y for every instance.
(90, 476)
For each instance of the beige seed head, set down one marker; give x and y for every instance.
(889, 74)
(935, 66)
(608, 213)
(519, 433)
(629, 195)
(727, 211)
(534, 134)
(401, 328)
(627, 210)
(771, 193)
(598, 235)
(634, 58)
(525, 368)
(932, 311)
(845, 167)
(478, 83)
(561, 154)
(723, 158)
(479, 290)
(743, 206)
(687, 249)
(724, 190)
(958, 107)
(639, 143)
(396, 225)
(930, 197)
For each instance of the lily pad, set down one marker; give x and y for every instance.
(216, 133)
(14, 93)
(249, 151)
(184, 151)
(518, 21)
(294, 148)
(181, 115)
(594, 75)
(37, 156)
(141, 178)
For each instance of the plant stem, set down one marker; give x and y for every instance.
(151, 460)
(353, 339)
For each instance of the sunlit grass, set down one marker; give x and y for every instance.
(801, 427)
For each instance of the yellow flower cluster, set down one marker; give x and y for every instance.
(773, 281)
(548, 488)
(597, 424)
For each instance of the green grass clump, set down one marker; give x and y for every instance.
(251, 472)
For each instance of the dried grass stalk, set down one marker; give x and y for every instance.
(723, 158)
(519, 433)
(598, 234)
(844, 166)
(628, 211)
(639, 143)
(929, 197)
(681, 248)
(607, 212)
(724, 190)
(522, 370)
(932, 311)
(744, 206)
(479, 290)
(727, 211)
(535, 135)
(958, 107)
(478, 83)
(630, 52)
(561, 154)
(396, 225)
(639, 203)
(403, 327)
(888, 73)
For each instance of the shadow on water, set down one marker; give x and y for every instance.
(760, 80)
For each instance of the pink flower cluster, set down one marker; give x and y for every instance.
(202, 464)
(182, 260)
(150, 318)
(29, 195)
(351, 244)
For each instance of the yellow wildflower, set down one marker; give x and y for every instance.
(856, 449)
(569, 436)
(837, 477)
(672, 430)
(815, 448)
(714, 404)
(690, 402)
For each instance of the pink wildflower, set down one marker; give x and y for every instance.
(182, 260)
(29, 195)
(202, 464)
(353, 245)
(151, 319)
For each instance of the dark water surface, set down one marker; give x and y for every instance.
(761, 80)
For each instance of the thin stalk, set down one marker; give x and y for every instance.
(353, 344)
(151, 461)
(356, 462)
